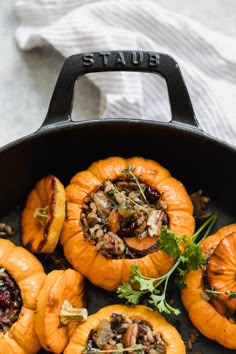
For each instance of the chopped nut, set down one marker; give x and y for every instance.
(154, 222)
(131, 335)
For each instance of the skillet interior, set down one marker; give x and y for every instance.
(198, 160)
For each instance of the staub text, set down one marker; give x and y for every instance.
(121, 59)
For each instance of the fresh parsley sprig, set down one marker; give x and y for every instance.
(186, 258)
(146, 286)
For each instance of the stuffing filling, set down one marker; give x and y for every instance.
(120, 211)
(10, 301)
(137, 336)
(210, 294)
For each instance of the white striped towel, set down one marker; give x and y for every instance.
(207, 59)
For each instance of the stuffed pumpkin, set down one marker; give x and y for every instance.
(210, 294)
(115, 212)
(21, 278)
(43, 216)
(116, 327)
(59, 308)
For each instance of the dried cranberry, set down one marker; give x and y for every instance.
(5, 299)
(151, 194)
(127, 229)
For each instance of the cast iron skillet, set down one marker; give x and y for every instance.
(64, 147)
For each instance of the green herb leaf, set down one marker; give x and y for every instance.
(129, 172)
(190, 258)
(136, 278)
(115, 191)
(125, 291)
(169, 242)
(180, 277)
(159, 303)
(193, 256)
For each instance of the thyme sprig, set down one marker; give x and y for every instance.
(115, 190)
(129, 172)
(137, 348)
(189, 258)
(213, 292)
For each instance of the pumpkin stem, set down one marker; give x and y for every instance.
(70, 313)
(41, 214)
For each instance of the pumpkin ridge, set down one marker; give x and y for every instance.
(60, 285)
(221, 269)
(218, 326)
(41, 229)
(24, 268)
(85, 257)
(78, 340)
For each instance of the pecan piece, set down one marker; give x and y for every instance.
(130, 335)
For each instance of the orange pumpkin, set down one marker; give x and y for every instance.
(28, 274)
(210, 315)
(59, 308)
(108, 273)
(173, 341)
(43, 216)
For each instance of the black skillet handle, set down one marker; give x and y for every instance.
(150, 62)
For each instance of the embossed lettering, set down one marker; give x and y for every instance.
(105, 56)
(88, 59)
(136, 58)
(120, 59)
(154, 59)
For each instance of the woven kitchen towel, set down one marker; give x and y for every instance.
(207, 59)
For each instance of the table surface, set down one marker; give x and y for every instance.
(28, 78)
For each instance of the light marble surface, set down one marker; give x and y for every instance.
(28, 78)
